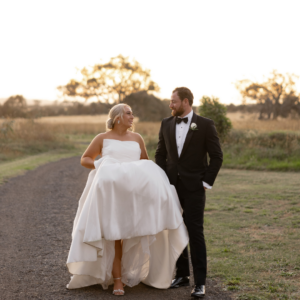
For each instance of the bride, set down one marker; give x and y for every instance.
(128, 227)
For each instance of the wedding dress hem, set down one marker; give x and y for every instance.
(104, 286)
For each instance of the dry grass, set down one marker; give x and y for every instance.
(77, 129)
(18, 139)
(49, 132)
(250, 122)
(22, 137)
(87, 124)
(82, 119)
(147, 128)
(84, 125)
(144, 128)
(95, 124)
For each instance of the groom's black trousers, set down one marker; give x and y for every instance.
(193, 204)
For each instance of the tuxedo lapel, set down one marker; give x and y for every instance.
(189, 135)
(173, 137)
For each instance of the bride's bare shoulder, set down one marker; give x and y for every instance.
(98, 139)
(101, 136)
(136, 137)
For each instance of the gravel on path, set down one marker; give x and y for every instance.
(36, 218)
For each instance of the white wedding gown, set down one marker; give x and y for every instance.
(130, 199)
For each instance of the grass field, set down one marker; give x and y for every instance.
(240, 121)
(250, 122)
(252, 144)
(252, 228)
(22, 139)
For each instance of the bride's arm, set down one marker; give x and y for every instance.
(92, 151)
(144, 154)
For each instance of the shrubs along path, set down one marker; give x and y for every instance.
(37, 213)
(273, 151)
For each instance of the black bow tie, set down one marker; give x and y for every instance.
(179, 120)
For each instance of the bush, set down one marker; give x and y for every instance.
(289, 142)
(262, 150)
(211, 108)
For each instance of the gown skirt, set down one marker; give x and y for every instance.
(127, 199)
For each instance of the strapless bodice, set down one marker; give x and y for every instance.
(123, 151)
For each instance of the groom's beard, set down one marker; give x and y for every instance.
(178, 112)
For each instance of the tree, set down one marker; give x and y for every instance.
(211, 108)
(148, 107)
(17, 101)
(111, 82)
(14, 106)
(272, 94)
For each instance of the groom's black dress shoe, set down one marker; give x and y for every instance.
(198, 291)
(180, 281)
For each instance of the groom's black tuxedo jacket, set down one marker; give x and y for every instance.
(192, 165)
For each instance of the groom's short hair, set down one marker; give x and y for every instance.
(183, 93)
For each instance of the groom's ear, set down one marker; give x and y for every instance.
(186, 101)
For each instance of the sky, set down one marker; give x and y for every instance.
(204, 45)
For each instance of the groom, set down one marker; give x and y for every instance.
(185, 139)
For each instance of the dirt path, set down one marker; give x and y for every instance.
(36, 218)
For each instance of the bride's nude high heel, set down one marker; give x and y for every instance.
(118, 290)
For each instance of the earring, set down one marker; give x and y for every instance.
(118, 121)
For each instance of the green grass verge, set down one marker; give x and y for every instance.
(273, 151)
(252, 159)
(20, 166)
(252, 229)
(29, 159)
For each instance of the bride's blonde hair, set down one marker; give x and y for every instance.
(115, 112)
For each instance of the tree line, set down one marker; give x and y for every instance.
(17, 107)
(121, 80)
(146, 107)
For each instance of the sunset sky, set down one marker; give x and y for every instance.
(204, 45)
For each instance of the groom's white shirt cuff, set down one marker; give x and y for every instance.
(207, 185)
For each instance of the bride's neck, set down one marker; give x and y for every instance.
(119, 130)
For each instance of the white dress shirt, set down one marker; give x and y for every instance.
(181, 132)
